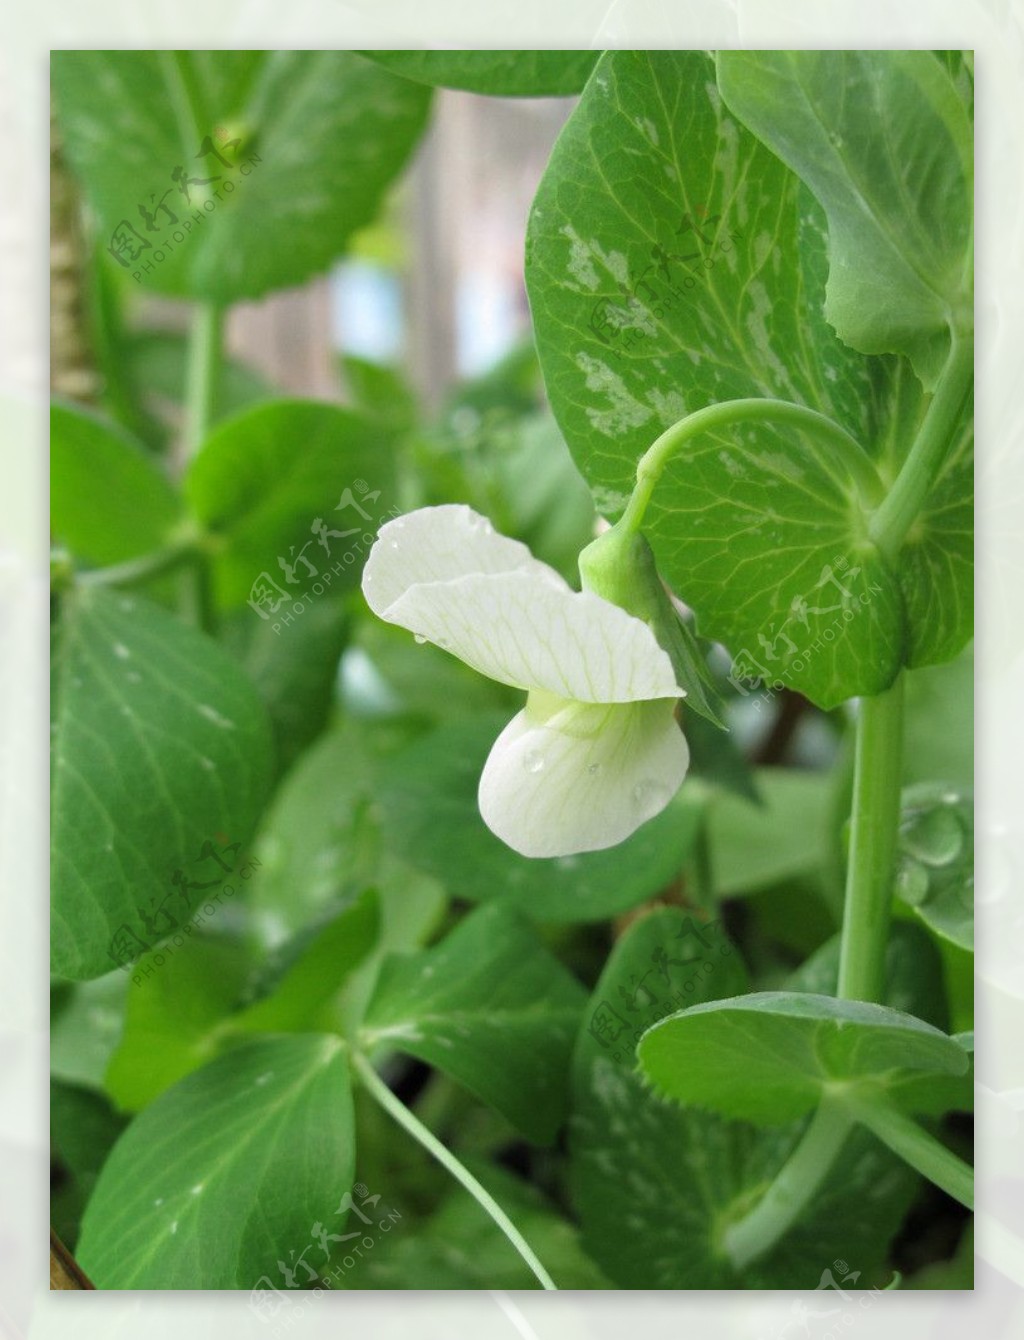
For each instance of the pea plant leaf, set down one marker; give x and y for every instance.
(161, 760)
(294, 668)
(428, 795)
(769, 1056)
(173, 1016)
(293, 492)
(493, 1009)
(936, 562)
(504, 74)
(670, 256)
(935, 873)
(221, 1177)
(884, 140)
(109, 500)
(754, 846)
(222, 174)
(311, 967)
(653, 1182)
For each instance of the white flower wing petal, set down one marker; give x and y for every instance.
(439, 544)
(584, 779)
(521, 630)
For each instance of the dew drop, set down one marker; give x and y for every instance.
(121, 651)
(533, 762)
(649, 797)
(912, 883)
(418, 637)
(594, 769)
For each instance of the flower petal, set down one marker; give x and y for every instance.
(568, 777)
(518, 629)
(438, 544)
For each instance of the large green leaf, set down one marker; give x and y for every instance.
(492, 1008)
(295, 669)
(674, 262)
(936, 563)
(754, 846)
(296, 150)
(108, 499)
(428, 793)
(221, 1178)
(940, 694)
(769, 1057)
(884, 139)
(305, 972)
(318, 842)
(173, 1019)
(505, 74)
(162, 761)
(654, 1183)
(265, 479)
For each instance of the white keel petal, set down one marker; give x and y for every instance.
(580, 777)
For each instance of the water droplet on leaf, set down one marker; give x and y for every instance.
(934, 837)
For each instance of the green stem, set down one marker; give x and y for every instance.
(202, 374)
(893, 519)
(376, 1087)
(878, 762)
(847, 449)
(921, 1150)
(793, 1189)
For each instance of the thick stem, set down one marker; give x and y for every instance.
(846, 449)
(376, 1087)
(921, 1150)
(896, 515)
(878, 760)
(793, 1189)
(204, 361)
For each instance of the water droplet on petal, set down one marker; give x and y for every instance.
(649, 797)
(533, 762)
(594, 769)
(418, 637)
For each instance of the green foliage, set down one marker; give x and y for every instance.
(207, 1186)
(769, 1057)
(265, 799)
(161, 750)
(675, 1175)
(504, 74)
(935, 874)
(490, 1007)
(899, 204)
(260, 498)
(108, 500)
(307, 142)
(671, 259)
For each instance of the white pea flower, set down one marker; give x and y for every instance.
(597, 750)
